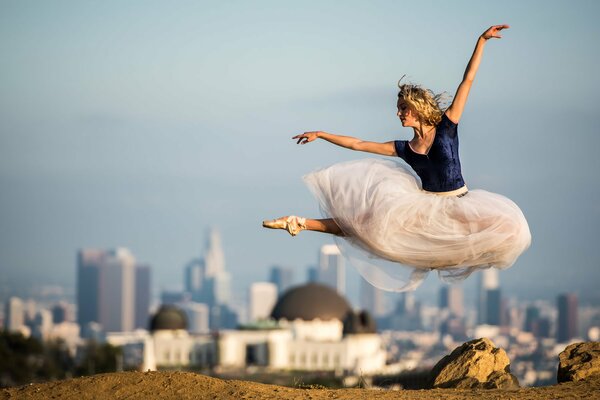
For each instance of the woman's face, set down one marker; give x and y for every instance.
(408, 116)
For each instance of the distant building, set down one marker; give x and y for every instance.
(282, 277)
(14, 315)
(407, 314)
(143, 287)
(207, 281)
(312, 274)
(194, 279)
(487, 279)
(567, 317)
(62, 312)
(451, 298)
(331, 270)
(198, 315)
(494, 307)
(314, 330)
(262, 297)
(173, 297)
(372, 299)
(106, 289)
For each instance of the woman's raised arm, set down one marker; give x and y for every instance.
(455, 110)
(348, 142)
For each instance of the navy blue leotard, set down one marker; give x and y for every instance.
(439, 169)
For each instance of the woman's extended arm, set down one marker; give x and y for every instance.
(455, 110)
(348, 142)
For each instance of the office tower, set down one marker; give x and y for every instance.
(206, 279)
(532, 315)
(62, 312)
(372, 299)
(494, 307)
(282, 277)
(42, 324)
(567, 317)
(407, 314)
(106, 289)
(194, 279)
(331, 268)
(312, 274)
(451, 298)
(262, 299)
(14, 315)
(197, 316)
(143, 287)
(487, 279)
(168, 297)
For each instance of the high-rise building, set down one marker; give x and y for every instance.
(451, 298)
(143, 287)
(106, 289)
(372, 299)
(214, 258)
(206, 279)
(282, 277)
(14, 315)
(197, 316)
(194, 279)
(487, 279)
(312, 274)
(262, 299)
(331, 268)
(567, 317)
(494, 307)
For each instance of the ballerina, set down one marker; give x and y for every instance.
(397, 221)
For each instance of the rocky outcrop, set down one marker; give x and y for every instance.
(475, 364)
(579, 362)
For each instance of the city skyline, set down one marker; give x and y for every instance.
(140, 125)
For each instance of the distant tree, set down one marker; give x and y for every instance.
(20, 359)
(98, 358)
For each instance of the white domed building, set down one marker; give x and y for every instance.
(312, 328)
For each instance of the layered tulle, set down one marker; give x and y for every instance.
(396, 233)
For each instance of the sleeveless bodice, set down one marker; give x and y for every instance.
(439, 169)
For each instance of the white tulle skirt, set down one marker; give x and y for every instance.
(396, 233)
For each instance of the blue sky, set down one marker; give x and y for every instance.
(141, 124)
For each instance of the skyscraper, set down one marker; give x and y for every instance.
(14, 315)
(206, 279)
(451, 298)
(567, 317)
(194, 279)
(372, 299)
(106, 289)
(494, 307)
(282, 277)
(331, 268)
(487, 279)
(262, 299)
(142, 296)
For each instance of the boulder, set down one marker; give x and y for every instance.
(579, 362)
(477, 364)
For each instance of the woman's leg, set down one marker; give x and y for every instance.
(324, 225)
(294, 225)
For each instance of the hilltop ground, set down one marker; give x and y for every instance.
(186, 385)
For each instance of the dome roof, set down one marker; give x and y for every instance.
(309, 302)
(168, 317)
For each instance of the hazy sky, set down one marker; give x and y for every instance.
(141, 124)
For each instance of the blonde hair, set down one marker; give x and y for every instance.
(427, 104)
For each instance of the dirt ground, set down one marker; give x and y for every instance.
(186, 385)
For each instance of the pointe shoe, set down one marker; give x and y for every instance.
(292, 224)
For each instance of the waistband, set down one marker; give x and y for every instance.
(460, 192)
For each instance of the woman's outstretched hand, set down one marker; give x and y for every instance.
(494, 32)
(306, 137)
